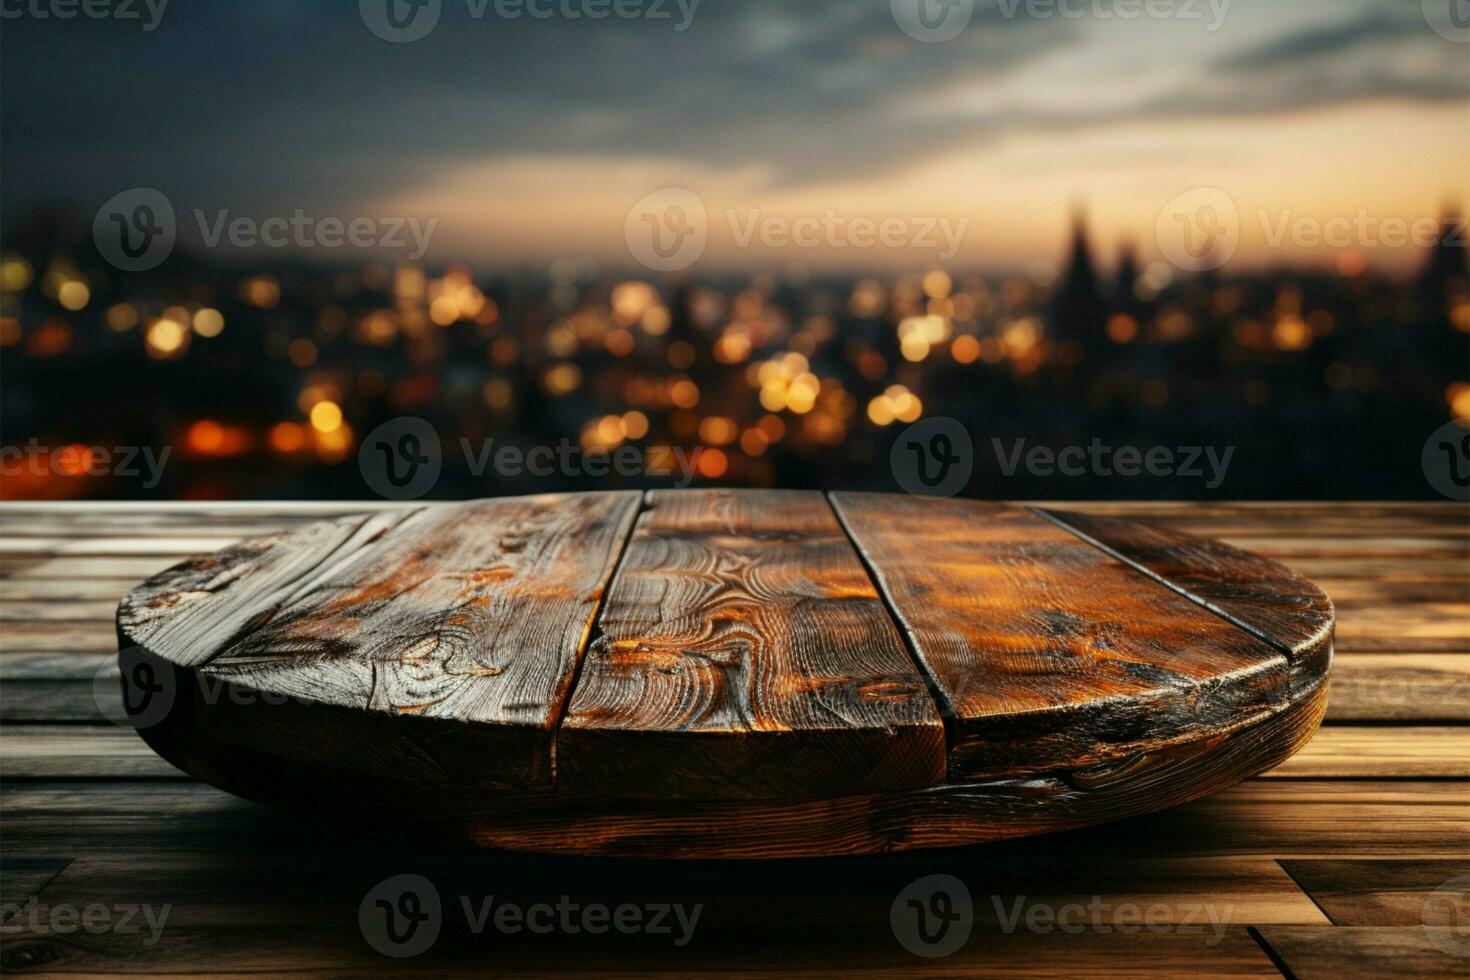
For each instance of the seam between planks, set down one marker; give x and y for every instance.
(942, 704)
(1113, 553)
(593, 630)
(1271, 954)
(330, 559)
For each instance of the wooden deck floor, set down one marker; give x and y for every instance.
(1352, 859)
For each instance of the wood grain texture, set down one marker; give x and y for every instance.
(1046, 651)
(264, 891)
(1371, 953)
(192, 611)
(1261, 595)
(1351, 751)
(744, 653)
(444, 647)
(557, 822)
(1386, 892)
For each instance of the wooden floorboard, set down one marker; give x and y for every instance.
(1351, 859)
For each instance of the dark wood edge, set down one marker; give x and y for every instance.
(1309, 659)
(551, 822)
(507, 814)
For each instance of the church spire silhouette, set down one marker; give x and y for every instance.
(1447, 267)
(1078, 312)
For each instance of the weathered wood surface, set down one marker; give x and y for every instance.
(1047, 652)
(1262, 596)
(743, 652)
(944, 815)
(443, 645)
(810, 918)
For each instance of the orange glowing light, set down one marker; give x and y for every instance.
(753, 442)
(1122, 328)
(718, 430)
(1458, 396)
(73, 460)
(288, 437)
(166, 339)
(635, 425)
(684, 393)
(713, 463)
(965, 349)
(205, 436)
(326, 416)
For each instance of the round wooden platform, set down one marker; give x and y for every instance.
(726, 673)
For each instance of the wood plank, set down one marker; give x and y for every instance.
(76, 609)
(1425, 689)
(837, 954)
(1350, 752)
(63, 591)
(126, 570)
(54, 666)
(743, 652)
(189, 613)
(94, 636)
(1274, 819)
(1045, 650)
(1408, 687)
(1337, 953)
(557, 822)
(1441, 627)
(21, 879)
(1386, 893)
(49, 701)
(1262, 596)
(468, 613)
(312, 886)
(101, 547)
(79, 751)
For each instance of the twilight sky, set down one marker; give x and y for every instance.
(531, 139)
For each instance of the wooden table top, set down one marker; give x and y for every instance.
(1329, 865)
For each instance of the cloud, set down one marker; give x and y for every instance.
(271, 103)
